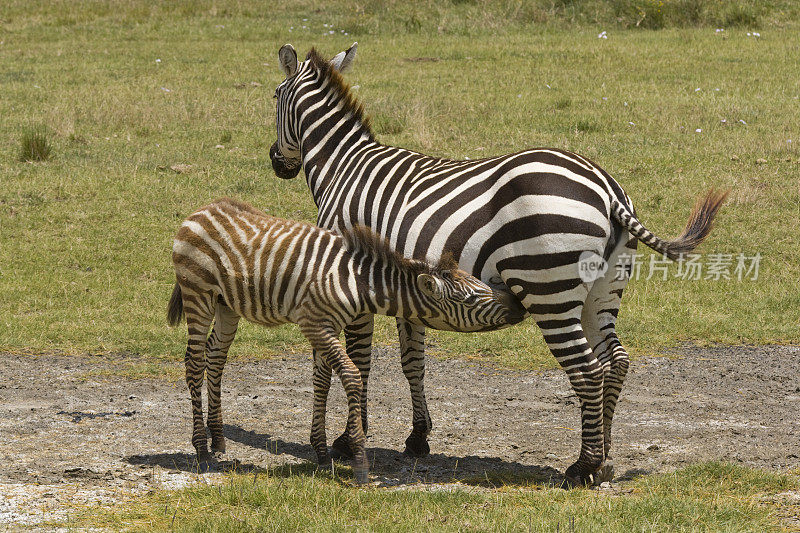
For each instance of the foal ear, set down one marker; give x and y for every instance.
(287, 57)
(431, 286)
(343, 60)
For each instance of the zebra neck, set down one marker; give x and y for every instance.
(389, 290)
(326, 157)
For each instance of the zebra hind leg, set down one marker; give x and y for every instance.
(322, 384)
(199, 313)
(599, 321)
(358, 340)
(222, 335)
(412, 359)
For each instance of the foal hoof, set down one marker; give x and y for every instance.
(417, 446)
(340, 449)
(360, 475)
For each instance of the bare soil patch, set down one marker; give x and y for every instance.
(76, 430)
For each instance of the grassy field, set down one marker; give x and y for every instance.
(708, 497)
(149, 111)
(150, 114)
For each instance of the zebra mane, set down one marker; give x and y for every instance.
(342, 88)
(364, 240)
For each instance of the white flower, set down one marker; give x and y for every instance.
(602, 35)
(743, 122)
(166, 90)
(698, 130)
(697, 89)
(158, 61)
(720, 30)
(631, 123)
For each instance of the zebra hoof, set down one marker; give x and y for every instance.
(218, 455)
(340, 449)
(417, 446)
(360, 475)
(574, 479)
(604, 473)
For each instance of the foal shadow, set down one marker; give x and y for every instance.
(389, 467)
(393, 467)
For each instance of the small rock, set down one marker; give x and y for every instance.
(605, 485)
(180, 168)
(653, 448)
(734, 158)
(219, 147)
(761, 161)
(551, 456)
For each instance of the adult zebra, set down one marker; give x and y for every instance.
(528, 219)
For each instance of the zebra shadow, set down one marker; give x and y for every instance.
(393, 467)
(187, 462)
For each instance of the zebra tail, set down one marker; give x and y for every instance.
(175, 307)
(697, 228)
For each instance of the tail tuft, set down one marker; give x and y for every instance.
(697, 228)
(699, 225)
(175, 307)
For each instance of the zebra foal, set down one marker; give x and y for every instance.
(232, 260)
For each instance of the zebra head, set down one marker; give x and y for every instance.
(461, 302)
(300, 79)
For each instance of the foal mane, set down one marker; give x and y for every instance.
(362, 239)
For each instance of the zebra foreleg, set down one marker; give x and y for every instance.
(325, 340)
(222, 335)
(412, 359)
(566, 339)
(358, 340)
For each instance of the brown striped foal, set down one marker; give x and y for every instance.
(232, 260)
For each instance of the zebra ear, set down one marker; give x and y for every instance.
(431, 286)
(287, 57)
(343, 60)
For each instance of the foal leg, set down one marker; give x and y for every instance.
(322, 384)
(358, 339)
(199, 313)
(325, 339)
(225, 324)
(412, 359)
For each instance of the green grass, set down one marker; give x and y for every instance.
(130, 91)
(35, 145)
(707, 497)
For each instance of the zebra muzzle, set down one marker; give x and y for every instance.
(284, 168)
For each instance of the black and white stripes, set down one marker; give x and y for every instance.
(233, 261)
(524, 219)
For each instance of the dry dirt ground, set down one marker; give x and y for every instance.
(76, 430)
